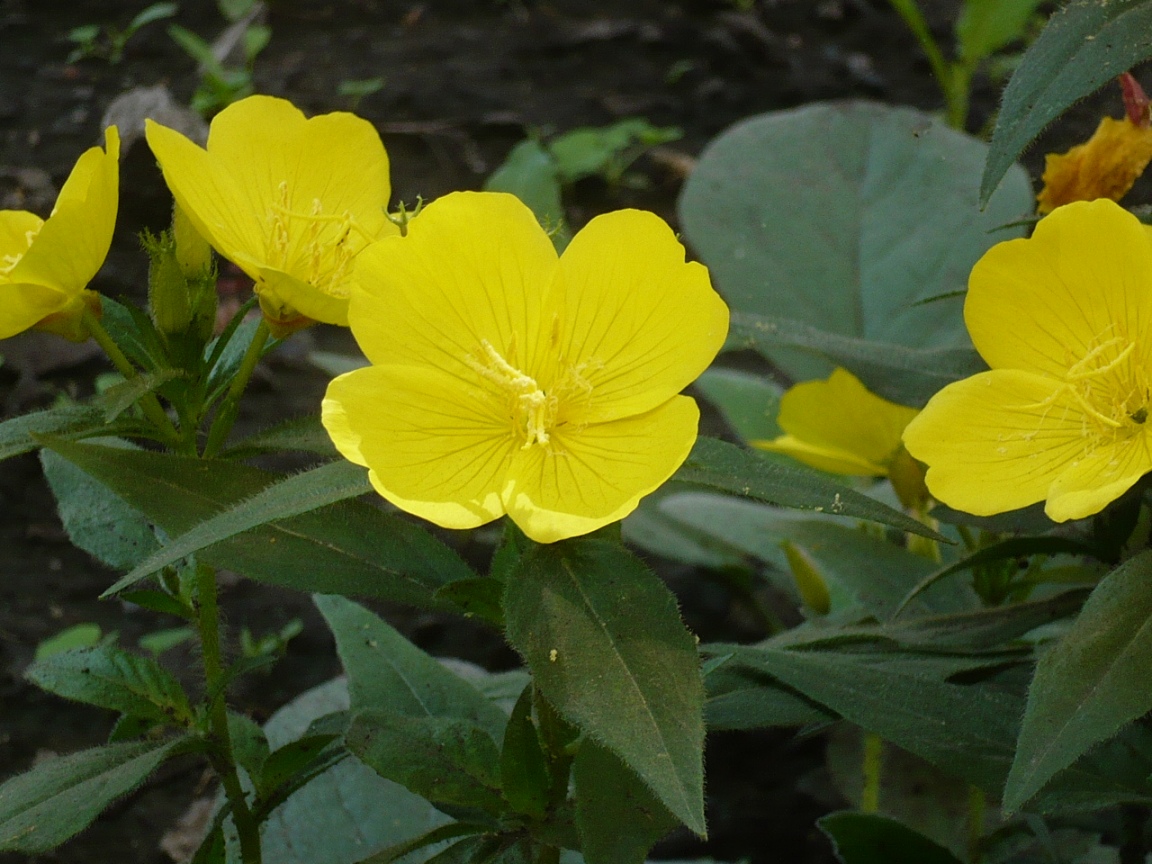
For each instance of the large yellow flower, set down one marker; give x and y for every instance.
(46, 265)
(1064, 320)
(291, 201)
(507, 380)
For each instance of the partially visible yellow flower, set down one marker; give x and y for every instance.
(840, 426)
(46, 265)
(505, 380)
(1108, 163)
(1064, 320)
(290, 201)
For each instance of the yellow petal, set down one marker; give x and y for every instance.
(638, 323)
(474, 269)
(997, 441)
(23, 306)
(1105, 166)
(825, 458)
(839, 425)
(74, 240)
(435, 447)
(18, 228)
(1082, 282)
(284, 296)
(286, 198)
(598, 474)
(1097, 479)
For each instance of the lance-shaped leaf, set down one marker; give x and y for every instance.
(292, 496)
(445, 760)
(19, 435)
(868, 838)
(387, 672)
(607, 648)
(349, 547)
(1090, 683)
(907, 376)
(729, 468)
(42, 808)
(1085, 44)
(109, 677)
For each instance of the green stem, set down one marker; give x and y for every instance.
(910, 12)
(151, 405)
(223, 761)
(977, 804)
(872, 765)
(226, 416)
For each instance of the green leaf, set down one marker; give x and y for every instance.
(744, 699)
(604, 640)
(985, 26)
(109, 677)
(729, 468)
(1085, 45)
(292, 496)
(1090, 683)
(907, 376)
(387, 672)
(42, 808)
(481, 598)
(529, 172)
(965, 730)
(347, 812)
(855, 566)
(863, 211)
(431, 838)
(304, 434)
(280, 766)
(21, 434)
(868, 838)
(748, 402)
(524, 774)
(618, 817)
(79, 636)
(120, 397)
(445, 760)
(350, 547)
(96, 519)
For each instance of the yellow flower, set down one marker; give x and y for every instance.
(1064, 320)
(507, 380)
(46, 265)
(290, 201)
(840, 426)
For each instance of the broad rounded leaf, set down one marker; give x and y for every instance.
(845, 216)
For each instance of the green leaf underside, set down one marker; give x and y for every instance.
(729, 468)
(96, 519)
(868, 838)
(748, 402)
(295, 495)
(907, 376)
(387, 672)
(1085, 44)
(607, 648)
(109, 677)
(349, 547)
(863, 210)
(1089, 684)
(445, 760)
(58, 798)
(18, 435)
(618, 817)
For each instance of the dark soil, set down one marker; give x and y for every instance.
(464, 80)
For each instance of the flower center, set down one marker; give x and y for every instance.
(312, 245)
(8, 262)
(1112, 387)
(531, 410)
